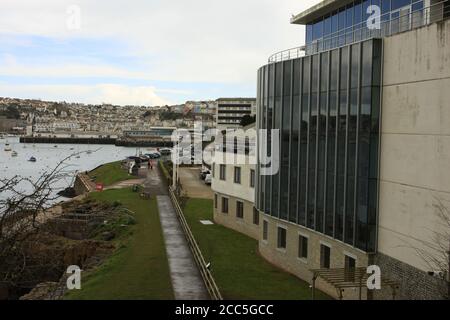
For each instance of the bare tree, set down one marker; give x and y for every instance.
(436, 252)
(22, 213)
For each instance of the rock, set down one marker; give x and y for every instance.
(108, 236)
(41, 292)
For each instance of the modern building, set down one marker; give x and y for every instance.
(230, 111)
(364, 151)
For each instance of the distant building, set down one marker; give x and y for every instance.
(230, 111)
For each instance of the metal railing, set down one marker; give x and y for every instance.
(388, 26)
(210, 283)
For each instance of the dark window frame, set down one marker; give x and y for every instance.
(303, 247)
(281, 238)
(237, 175)
(225, 205)
(223, 172)
(240, 209)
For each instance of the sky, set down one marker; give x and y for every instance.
(141, 52)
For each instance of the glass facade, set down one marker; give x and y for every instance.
(349, 23)
(326, 107)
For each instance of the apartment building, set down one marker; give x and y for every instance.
(230, 111)
(234, 182)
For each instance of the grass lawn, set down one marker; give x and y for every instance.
(139, 268)
(239, 271)
(110, 174)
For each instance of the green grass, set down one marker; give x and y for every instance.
(139, 268)
(240, 272)
(110, 174)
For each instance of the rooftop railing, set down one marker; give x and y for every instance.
(389, 24)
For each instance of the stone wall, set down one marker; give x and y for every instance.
(414, 283)
(288, 259)
(83, 184)
(230, 220)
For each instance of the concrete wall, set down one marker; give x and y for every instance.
(415, 145)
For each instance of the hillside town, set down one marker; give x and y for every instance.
(46, 118)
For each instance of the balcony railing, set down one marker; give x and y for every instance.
(389, 25)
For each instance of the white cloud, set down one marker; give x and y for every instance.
(198, 40)
(95, 94)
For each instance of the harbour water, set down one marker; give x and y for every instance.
(49, 155)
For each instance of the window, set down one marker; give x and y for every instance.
(265, 230)
(224, 205)
(223, 172)
(350, 263)
(237, 175)
(281, 238)
(325, 253)
(215, 200)
(239, 209)
(255, 216)
(302, 247)
(252, 178)
(350, 266)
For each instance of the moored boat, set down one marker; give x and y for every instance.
(32, 159)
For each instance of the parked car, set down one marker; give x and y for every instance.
(153, 155)
(208, 179)
(165, 151)
(204, 173)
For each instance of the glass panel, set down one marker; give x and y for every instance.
(294, 159)
(304, 140)
(269, 127)
(352, 129)
(355, 66)
(367, 64)
(312, 162)
(357, 21)
(309, 34)
(349, 25)
(397, 4)
(318, 30)
(287, 78)
(284, 176)
(372, 215)
(344, 68)
(331, 155)
(342, 136)
(275, 210)
(297, 70)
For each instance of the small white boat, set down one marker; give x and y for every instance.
(14, 154)
(7, 147)
(32, 159)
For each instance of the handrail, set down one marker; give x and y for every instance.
(415, 19)
(210, 283)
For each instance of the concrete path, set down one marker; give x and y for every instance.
(193, 185)
(186, 279)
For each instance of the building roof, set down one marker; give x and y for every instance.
(319, 10)
(235, 99)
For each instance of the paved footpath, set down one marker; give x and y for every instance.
(187, 282)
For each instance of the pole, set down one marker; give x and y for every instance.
(174, 167)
